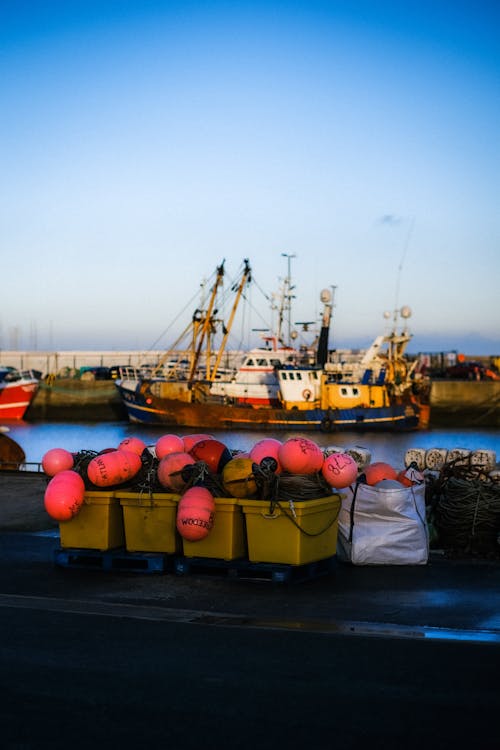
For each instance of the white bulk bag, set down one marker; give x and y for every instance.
(383, 526)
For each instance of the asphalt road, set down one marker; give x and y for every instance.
(364, 657)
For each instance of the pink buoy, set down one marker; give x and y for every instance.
(190, 440)
(268, 448)
(168, 444)
(195, 514)
(339, 470)
(300, 455)
(214, 453)
(133, 444)
(378, 471)
(56, 460)
(170, 468)
(64, 495)
(115, 467)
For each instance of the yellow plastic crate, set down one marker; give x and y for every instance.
(297, 536)
(149, 521)
(98, 524)
(227, 539)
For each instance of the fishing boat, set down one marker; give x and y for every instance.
(17, 391)
(278, 387)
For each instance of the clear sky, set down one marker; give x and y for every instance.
(144, 141)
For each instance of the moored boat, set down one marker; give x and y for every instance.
(17, 391)
(279, 387)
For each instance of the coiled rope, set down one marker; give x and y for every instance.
(279, 489)
(465, 510)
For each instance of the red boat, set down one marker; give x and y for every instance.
(17, 391)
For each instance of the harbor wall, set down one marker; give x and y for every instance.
(465, 403)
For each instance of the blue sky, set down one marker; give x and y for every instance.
(143, 142)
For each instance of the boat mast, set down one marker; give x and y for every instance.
(207, 323)
(286, 302)
(245, 278)
(326, 298)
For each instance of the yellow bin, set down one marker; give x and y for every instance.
(226, 540)
(149, 521)
(98, 524)
(294, 533)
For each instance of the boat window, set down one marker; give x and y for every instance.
(313, 375)
(343, 391)
(292, 376)
(355, 392)
(249, 362)
(299, 376)
(275, 362)
(283, 375)
(262, 362)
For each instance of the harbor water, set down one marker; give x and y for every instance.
(38, 437)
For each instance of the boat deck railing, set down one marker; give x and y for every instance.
(22, 467)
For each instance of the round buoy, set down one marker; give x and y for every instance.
(238, 479)
(64, 495)
(339, 470)
(168, 444)
(378, 471)
(195, 514)
(265, 449)
(190, 440)
(300, 455)
(170, 468)
(214, 453)
(56, 460)
(116, 467)
(133, 444)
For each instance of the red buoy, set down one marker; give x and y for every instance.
(64, 495)
(378, 471)
(190, 440)
(116, 467)
(56, 460)
(268, 448)
(170, 468)
(300, 455)
(214, 453)
(195, 514)
(168, 444)
(133, 444)
(339, 470)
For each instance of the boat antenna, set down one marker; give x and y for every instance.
(400, 267)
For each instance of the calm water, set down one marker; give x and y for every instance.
(36, 439)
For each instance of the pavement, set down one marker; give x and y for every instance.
(383, 656)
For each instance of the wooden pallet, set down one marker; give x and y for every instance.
(244, 569)
(118, 560)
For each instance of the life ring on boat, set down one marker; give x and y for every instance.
(306, 394)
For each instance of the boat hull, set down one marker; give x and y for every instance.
(146, 409)
(15, 398)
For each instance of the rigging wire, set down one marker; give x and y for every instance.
(403, 257)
